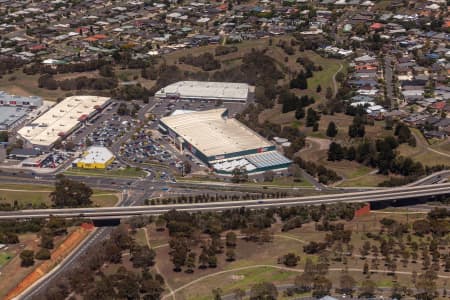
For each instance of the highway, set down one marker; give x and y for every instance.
(127, 211)
(98, 235)
(135, 192)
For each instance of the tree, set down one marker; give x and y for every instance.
(421, 227)
(335, 152)
(299, 113)
(190, 262)
(332, 129)
(239, 294)
(311, 117)
(340, 77)
(303, 283)
(316, 127)
(426, 285)
(366, 268)
(203, 259)
(217, 294)
(142, 256)
(179, 251)
(365, 249)
(321, 287)
(187, 168)
(27, 258)
(43, 254)
(123, 109)
(239, 175)
(230, 239)
(230, 254)
(113, 252)
(106, 71)
(46, 240)
(70, 193)
(300, 82)
(398, 291)
(347, 283)
(367, 289)
(356, 129)
(290, 260)
(212, 260)
(263, 291)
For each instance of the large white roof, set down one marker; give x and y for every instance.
(61, 119)
(226, 91)
(96, 154)
(214, 135)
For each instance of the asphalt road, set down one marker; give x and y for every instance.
(388, 79)
(70, 261)
(138, 190)
(392, 194)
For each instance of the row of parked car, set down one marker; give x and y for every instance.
(143, 148)
(54, 159)
(108, 132)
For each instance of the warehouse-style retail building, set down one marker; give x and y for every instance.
(222, 143)
(206, 90)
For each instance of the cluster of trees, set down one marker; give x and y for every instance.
(270, 130)
(70, 193)
(182, 230)
(404, 135)
(204, 198)
(389, 243)
(88, 281)
(357, 128)
(53, 228)
(132, 92)
(314, 278)
(291, 102)
(294, 217)
(9, 64)
(79, 83)
(312, 119)
(379, 154)
(149, 73)
(287, 46)
(126, 110)
(323, 174)
(224, 50)
(9, 230)
(258, 69)
(77, 67)
(205, 61)
(299, 82)
(239, 175)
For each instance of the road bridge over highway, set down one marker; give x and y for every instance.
(392, 194)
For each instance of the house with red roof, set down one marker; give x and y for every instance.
(376, 26)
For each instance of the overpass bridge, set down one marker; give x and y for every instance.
(391, 194)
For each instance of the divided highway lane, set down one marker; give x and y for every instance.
(111, 212)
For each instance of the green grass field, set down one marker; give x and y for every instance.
(127, 172)
(35, 196)
(4, 258)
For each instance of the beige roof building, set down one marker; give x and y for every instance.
(206, 90)
(61, 119)
(212, 133)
